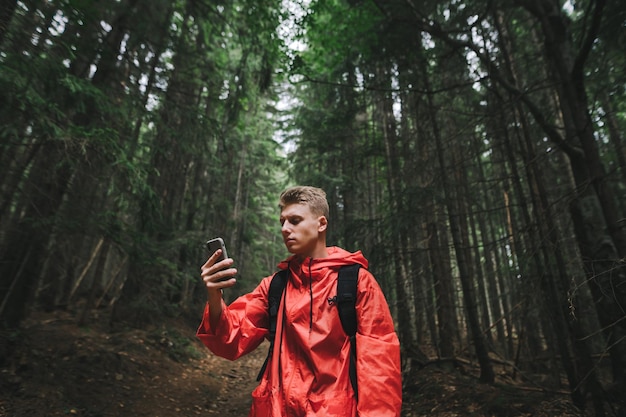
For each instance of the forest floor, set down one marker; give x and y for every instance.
(58, 368)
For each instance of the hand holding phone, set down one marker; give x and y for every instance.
(216, 279)
(225, 273)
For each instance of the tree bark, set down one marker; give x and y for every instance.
(6, 13)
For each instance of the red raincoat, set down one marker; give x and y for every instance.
(308, 374)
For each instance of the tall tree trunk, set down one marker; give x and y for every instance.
(6, 13)
(478, 272)
(447, 339)
(487, 374)
(600, 233)
(574, 355)
(402, 284)
(616, 139)
(459, 227)
(26, 241)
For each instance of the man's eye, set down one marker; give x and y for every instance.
(293, 221)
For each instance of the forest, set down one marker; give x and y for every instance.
(473, 150)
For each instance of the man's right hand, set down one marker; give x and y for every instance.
(216, 277)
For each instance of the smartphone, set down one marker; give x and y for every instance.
(215, 244)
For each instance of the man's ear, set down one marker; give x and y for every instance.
(323, 224)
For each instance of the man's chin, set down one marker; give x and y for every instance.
(293, 249)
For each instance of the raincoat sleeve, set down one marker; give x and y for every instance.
(379, 377)
(242, 325)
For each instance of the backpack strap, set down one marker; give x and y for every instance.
(346, 303)
(275, 293)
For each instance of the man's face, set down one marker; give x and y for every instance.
(301, 229)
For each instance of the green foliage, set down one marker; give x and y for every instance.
(161, 128)
(354, 37)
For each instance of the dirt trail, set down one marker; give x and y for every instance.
(59, 368)
(236, 380)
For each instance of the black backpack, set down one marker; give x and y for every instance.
(345, 301)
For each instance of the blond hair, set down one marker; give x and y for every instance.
(313, 197)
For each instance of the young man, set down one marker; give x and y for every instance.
(308, 371)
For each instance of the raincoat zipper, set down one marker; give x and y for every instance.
(311, 295)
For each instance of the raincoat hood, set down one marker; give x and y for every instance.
(316, 268)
